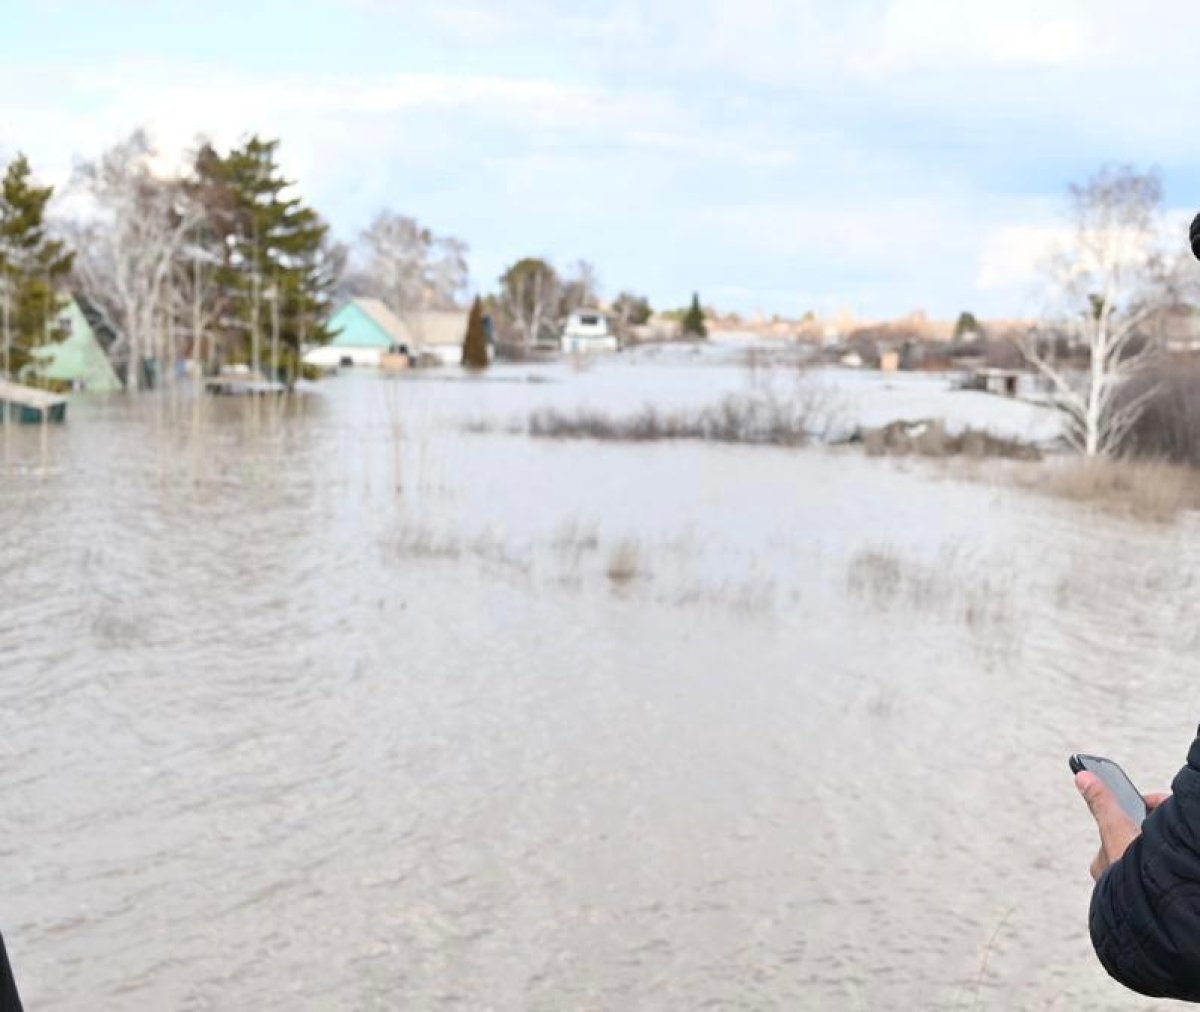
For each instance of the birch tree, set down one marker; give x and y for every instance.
(1106, 284)
(530, 291)
(580, 289)
(137, 225)
(408, 267)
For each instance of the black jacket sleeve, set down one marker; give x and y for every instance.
(1145, 914)
(9, 1000)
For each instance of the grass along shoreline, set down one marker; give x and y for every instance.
(1154, 491)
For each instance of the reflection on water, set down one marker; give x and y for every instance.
(338, 706)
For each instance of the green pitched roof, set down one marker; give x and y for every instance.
(78, 358)
(366, 323)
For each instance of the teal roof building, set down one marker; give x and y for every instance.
(78, 359)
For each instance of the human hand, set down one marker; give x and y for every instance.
(1117, 830)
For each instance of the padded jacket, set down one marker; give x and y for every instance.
(9, 1001)
(1145, 913)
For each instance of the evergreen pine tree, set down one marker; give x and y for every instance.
(475, 343)
(693, 319)
(31, 266)
(277, 272)
(966, 326)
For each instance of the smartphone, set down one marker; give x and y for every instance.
(1114, 778)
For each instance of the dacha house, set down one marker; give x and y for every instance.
(366, 331)
(82, 356)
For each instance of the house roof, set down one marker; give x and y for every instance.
(79, 357)
(442, 327)
(103, 329)
(366, 323)
(369, 323)
(384, 318)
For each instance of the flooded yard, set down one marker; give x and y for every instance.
(376, 702)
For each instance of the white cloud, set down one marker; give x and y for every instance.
(1013, 255)
(936, 35)
(867, 145)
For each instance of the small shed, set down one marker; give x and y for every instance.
(1005, 382)
(78, 360)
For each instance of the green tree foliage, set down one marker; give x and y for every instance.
(277, 267)
(31, 265)
(966, 327)
(475, 344)
(693, 320)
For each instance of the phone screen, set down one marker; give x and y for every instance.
(1114, 778)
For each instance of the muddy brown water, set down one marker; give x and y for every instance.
(349, 708)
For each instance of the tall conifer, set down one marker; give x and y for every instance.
(32, 265)
(475, 344)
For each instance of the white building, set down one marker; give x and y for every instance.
(586, 332)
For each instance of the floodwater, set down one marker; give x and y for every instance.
(374, 704)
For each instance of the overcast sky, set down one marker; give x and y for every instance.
(880, 155)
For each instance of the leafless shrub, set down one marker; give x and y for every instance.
(482, 426)
(759, 420)
(1167, 426)
(929, 438)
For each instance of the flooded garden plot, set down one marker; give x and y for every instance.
(376, 700)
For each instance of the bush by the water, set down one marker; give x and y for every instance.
(760, 420)
(929, 438)
(1168, 427)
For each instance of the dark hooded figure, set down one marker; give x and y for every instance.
(1145, 914)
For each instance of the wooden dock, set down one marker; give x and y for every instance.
(241, 384)
(29, 405)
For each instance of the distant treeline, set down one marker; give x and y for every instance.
(224, 262)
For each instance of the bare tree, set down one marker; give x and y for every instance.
(197, 297)
(530, 292)
(409, 267)
(580, 289)
(1107, 283)
(448, 273)
(130, 243)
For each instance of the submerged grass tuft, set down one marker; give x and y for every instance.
(624, 562)
(760, 419)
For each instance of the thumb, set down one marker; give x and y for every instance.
(1117, 830)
